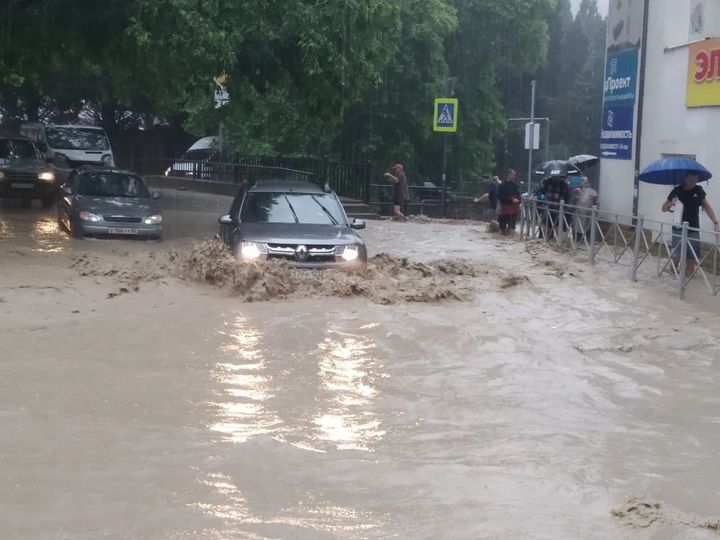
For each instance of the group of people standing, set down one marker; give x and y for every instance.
(504, 197)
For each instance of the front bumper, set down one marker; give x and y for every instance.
(27, 190)
(120, 230)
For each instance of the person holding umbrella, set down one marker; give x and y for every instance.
(555, 189)
(692, 197)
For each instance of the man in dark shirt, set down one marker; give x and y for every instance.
(693, 197)
(400, 190)
(490, 196)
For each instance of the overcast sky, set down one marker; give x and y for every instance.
(602, 4)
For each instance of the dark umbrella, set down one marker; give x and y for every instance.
(556, 168)
(583, 161)
(672, 171)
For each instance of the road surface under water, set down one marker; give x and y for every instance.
(531, 409)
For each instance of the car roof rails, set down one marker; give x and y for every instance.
(308, 177)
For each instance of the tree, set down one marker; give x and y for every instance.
(114, 56)
(496, 44)
(351, 79)
(570, 82)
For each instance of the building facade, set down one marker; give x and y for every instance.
(674, 108)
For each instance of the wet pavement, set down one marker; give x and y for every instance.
(180, 412)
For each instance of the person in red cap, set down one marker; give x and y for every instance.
(400, 190)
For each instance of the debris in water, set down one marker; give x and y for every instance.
(512, 280)
(642, 513)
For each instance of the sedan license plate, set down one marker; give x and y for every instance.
(21, 185)
(122, 230)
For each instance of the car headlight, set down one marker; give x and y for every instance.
(48, 176)
(153, 220)
(349, 253)
(107, 160)
(2, 175)
(252, 251)
(168, 171)
(89, 216)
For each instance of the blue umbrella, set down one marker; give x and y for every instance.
(672, 171)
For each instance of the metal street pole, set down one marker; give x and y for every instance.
(444, 176)
(221, 141)
(531, 137)
(450, 91)
(547, 141)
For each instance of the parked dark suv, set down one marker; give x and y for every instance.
(295, 221)
(23, 173)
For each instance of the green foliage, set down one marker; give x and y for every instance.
(570, 82)
(350, 79)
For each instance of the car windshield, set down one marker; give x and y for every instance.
(105, 184)
(311, 209)
(17, 149)
(77, 138)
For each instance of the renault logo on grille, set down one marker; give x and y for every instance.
(301, 252)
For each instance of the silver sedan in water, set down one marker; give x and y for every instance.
(108, 203)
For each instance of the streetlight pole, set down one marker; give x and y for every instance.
(532, 136)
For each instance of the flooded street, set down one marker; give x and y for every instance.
(545, 396)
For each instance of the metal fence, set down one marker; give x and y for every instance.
(427, 201)
(351, 180)
(645, 246)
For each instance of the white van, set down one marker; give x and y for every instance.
(204, 149)
(68, 147)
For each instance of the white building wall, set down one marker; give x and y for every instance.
(668, 126)
(617, 179)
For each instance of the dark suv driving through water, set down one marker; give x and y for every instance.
(23, 173)
(294, 221)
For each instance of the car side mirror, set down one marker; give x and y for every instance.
(226, 220)
(156, 195)
(66, 189)
(61, 161)
(357, 224)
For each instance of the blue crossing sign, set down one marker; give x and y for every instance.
(445, 117)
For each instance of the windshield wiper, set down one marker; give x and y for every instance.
(329, 214)
(292, 209)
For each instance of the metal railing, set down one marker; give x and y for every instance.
(426, 201)
(351, 180)
(645, 246)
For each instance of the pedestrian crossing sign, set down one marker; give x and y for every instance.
(445, 117)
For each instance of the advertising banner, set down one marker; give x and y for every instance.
(617, 132)
(620, 92)
(703, 80)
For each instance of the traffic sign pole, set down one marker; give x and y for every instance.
(444, 175)
(445, 121)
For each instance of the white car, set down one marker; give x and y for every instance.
(194, 162)
(68, 147)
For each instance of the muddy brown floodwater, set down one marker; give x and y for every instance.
(468, 386)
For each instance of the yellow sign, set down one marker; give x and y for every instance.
(703, 82)
(445, 115)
